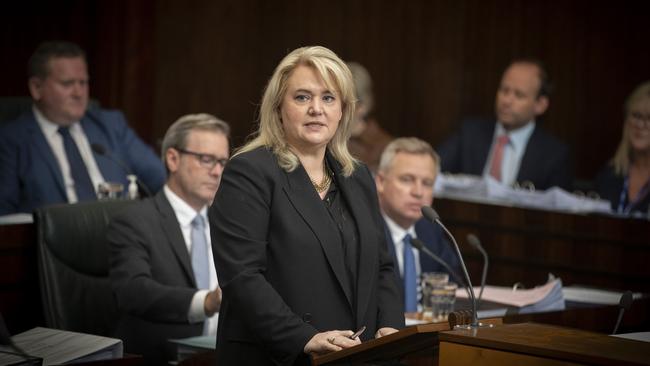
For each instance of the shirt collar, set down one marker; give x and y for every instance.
(518, 138)
(396, 231)
(184, 212)
(48, 127)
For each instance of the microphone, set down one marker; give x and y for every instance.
(420, 246)
(99, 149)
(432, 216)
(473, 241)
(624, 304)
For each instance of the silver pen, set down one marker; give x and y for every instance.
(358, 332)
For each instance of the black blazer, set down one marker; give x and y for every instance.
(152, 278)
(609, 186)
(280, 262)
(546, 161)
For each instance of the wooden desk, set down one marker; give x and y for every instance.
(536, 344)
(525, 245)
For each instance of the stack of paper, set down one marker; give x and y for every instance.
(544, 298)
(56, 347)
(489, 190)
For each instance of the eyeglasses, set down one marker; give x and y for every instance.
(640, 119)
(206, 160)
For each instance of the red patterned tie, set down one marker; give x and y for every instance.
(497, 158)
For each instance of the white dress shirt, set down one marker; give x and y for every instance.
(513, 151)
(55, 140)
(185, 214)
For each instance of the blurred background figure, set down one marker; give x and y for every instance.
(513, 148)
(50, 154)
(625, 180)
(407, 172)
(161, 266)
(368, 139)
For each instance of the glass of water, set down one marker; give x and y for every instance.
(110, 191)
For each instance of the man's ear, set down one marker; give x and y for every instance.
(172, 159)
(34, 84)
(379, 182)
(541, 105)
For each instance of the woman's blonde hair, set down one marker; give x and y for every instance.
(624, 154)
(337, 77)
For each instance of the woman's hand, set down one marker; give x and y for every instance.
(385, 331)
(332, 341)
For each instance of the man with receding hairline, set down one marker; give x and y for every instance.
(512, 149)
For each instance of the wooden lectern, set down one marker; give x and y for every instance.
(420, 341)
(415, 345)
(539, 345)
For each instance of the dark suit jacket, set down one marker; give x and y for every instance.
(30, 176)
(546, 161)
(609, 186)
(280, 262)
(433, 238)
(152, 278)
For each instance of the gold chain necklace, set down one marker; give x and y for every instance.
(324, 183)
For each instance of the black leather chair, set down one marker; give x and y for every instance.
(73, 266)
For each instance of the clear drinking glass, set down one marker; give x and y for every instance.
(443, 298)
(429, 281)
(110, 191)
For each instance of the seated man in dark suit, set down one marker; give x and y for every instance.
(407, 172)
(161, 265)
(513, 148)
(49, 155)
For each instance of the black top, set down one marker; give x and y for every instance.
(339, 213)
(610, 186)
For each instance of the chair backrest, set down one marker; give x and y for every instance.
(73, 266)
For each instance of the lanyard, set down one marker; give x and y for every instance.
(623, 205)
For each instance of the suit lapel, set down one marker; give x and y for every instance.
(174, 235)
(482, 145)
(305, 200)
(42, 147)
(530, 161)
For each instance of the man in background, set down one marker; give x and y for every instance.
(407, 172)
(61, 150)
(513, 148)
(161, 265)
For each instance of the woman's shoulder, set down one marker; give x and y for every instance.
(258, 156)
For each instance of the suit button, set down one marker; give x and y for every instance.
(306, 317)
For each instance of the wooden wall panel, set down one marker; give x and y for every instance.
(433, 62)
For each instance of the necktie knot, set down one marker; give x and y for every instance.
(503, 139)
(407, 239)
(198, 222)
(64, 131)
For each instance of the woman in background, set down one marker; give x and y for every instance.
(297, 237)
(625, 180)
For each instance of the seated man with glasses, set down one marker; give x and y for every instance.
(625, 180)
(161, 265)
